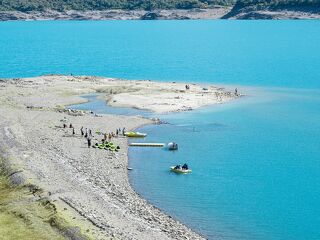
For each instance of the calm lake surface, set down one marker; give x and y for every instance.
(255, 161)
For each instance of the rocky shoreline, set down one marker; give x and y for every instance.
(90, 185)
(214, 13)
(176, 14)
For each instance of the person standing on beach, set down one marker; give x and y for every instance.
(105, 136)
(82, 133)
(89, 142)
(123, 131)
(236, 91)
(73, 132)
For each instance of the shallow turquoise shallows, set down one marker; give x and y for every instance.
(255, 161)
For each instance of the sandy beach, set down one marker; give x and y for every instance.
(89, 184)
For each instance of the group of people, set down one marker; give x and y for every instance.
(184, 167)
(88, 135)
(70, 126)
(109, 136)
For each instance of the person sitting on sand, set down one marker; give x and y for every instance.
(70, 126)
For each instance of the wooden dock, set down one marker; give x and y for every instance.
(146, 144)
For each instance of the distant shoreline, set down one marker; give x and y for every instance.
(175, 14)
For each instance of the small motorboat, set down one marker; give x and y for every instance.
(135, 134)
(172, 146)
(177, 169)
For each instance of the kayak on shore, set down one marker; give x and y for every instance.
(135, 134)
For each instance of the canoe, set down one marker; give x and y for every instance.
(135, 134)
(180, 170)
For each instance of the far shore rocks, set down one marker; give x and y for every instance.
(172, 14)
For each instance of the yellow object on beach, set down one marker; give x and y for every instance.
(135, 134)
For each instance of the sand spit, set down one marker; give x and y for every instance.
(90, 184)
(49, 92)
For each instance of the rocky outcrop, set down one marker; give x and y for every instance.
(150, 16)
(261, 12)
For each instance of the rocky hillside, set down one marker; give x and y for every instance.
(274, 9)
(157, 9)
(101, 5)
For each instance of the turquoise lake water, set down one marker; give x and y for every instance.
(255, 161)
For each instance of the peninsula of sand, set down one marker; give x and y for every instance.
(89, 187)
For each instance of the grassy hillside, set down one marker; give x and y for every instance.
(26, 214)
(61, 5)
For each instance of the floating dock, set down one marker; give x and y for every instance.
(146, 144)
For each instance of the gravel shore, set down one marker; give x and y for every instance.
(90, 183)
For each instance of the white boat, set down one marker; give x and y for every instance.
(172, 146)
